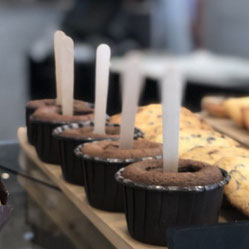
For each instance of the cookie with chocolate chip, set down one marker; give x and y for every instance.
(212, 154)
(149, 120)
(237, 191)
(190, 139)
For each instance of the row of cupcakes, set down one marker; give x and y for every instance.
(56, 134)
(123, 174)
(43, 116)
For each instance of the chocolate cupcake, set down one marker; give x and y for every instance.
(33, 105)
(70, 136)
(101, 160)
(156, 200)
(45, 119)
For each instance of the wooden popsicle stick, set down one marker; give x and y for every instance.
(132, 81)
(67, 76)
(58, 36)
(103, 56)
(172, 84)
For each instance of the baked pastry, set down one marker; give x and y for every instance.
(33, 105)
(101, 160)
(156, 200)
(191, 173)
(233, 108)
(214, 106)
(189, 139)
(212, 154)
(149, 120)
(45, 119)
(237, 191)
(72, 135)
(189, 120)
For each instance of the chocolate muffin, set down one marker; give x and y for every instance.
(159, 200)
(33, 105)
(101, 160)
(70, 136)
(45, 119)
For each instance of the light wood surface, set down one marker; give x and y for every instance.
(111, 225)
(67, 217)
(229, 128)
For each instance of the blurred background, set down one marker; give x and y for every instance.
(208, 39)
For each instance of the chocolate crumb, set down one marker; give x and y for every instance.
(110, 149)
(210, 139)
(191, 173)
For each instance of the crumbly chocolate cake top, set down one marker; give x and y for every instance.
(191, 173)
(87, 132)
(110, 149)
(34, 104)
(54, 114)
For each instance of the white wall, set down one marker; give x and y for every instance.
(19, 28)
(226, 26)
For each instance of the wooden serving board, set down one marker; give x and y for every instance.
(111, 225)
(229, 128)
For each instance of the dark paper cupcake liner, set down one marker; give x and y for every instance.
(71, 166)
(150, 210)
(47, 147)
(102, 191)
(32, 130)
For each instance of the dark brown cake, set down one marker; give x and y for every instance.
(101, 160)
(72, 135)
(46, 119)
(158, 200)
(87, 132)
(191, 173)
(110, 149)
(35, 104)
(54, 114)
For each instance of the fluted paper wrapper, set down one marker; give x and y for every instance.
(71, 166)
(102, 191)
(47, 147)
(150, 210)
